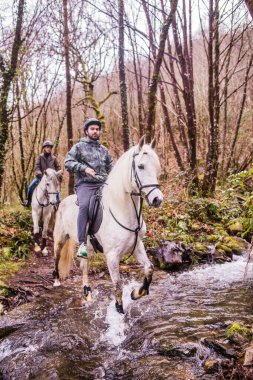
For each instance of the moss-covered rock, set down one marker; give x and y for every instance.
(224, 248)
(212, 238)
(236, 226)
(199, 247)
(236, 244)
(223, 253)
(238, 333)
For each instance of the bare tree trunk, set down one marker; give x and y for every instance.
(238, 123)
(151, 102)
(21, 148)
(185, 63)
(211, 167)
(8, 74)
(68, 89)
(138, 82)
(122, 76)
(169, 130)
(162, 92)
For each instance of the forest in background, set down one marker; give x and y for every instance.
(177, 70)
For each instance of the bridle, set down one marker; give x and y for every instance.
(139, 185)
(138, 213)
(46, 193)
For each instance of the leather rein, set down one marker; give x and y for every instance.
(138, 213)
(46, 194)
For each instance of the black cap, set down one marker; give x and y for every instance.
(91, 121)
(47, 143)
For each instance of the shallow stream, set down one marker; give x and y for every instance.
(159, 337)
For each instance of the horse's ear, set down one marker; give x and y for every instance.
(59, 173)
(141, 143)
(153, 143)
(45, 172)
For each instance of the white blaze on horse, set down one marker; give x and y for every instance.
(134, 176)
(44, 202)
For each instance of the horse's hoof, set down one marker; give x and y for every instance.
(56, 283)
(45, 252)
(89, 298)
(138, 293)
(119, 308)
(135, 295)
(87, 293)
(37, 248)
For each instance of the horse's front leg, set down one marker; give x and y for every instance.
(84, 265)
(46, 220)
(36, 214)
(142, 257)
(59, 242)
(113, 266)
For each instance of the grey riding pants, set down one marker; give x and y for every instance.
(84, 192)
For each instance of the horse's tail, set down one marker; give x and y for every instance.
(66, 258)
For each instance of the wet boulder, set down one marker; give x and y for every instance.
(211, 365)
(248, 358)
(169, 254)
(239, 334)
(219, 348)
(203, 253)
(236, 226)
(177, 350)
(237, 245)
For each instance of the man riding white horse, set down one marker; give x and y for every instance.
(46, 160)
(91, 163)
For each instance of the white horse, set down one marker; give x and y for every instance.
(44, 201)
(133, 176)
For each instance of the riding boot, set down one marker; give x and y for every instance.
(28, 201)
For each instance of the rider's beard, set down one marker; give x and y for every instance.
(94, 136)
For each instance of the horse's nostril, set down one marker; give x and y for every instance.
(156, 202)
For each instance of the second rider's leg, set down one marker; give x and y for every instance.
(84, 192)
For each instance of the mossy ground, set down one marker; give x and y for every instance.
(200, 222)
(15, 240)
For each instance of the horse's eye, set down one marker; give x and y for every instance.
(141, 166)
(47, 184)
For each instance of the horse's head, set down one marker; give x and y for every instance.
(145, 172)
(52, 181)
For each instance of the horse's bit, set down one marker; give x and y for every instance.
(46, 193)
(139, 194)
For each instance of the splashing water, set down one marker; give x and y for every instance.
(218, 275)
(116, 332)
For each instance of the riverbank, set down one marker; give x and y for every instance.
(195, 324)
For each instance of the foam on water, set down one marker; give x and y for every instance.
(219, 275)
(6, 349)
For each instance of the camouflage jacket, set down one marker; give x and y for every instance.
(92, 154)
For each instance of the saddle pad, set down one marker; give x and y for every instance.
(95, 214)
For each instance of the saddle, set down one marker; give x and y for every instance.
(95, 214)
(95, 220)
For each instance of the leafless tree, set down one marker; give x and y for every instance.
(8, 71)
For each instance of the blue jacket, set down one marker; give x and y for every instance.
(92, 154)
